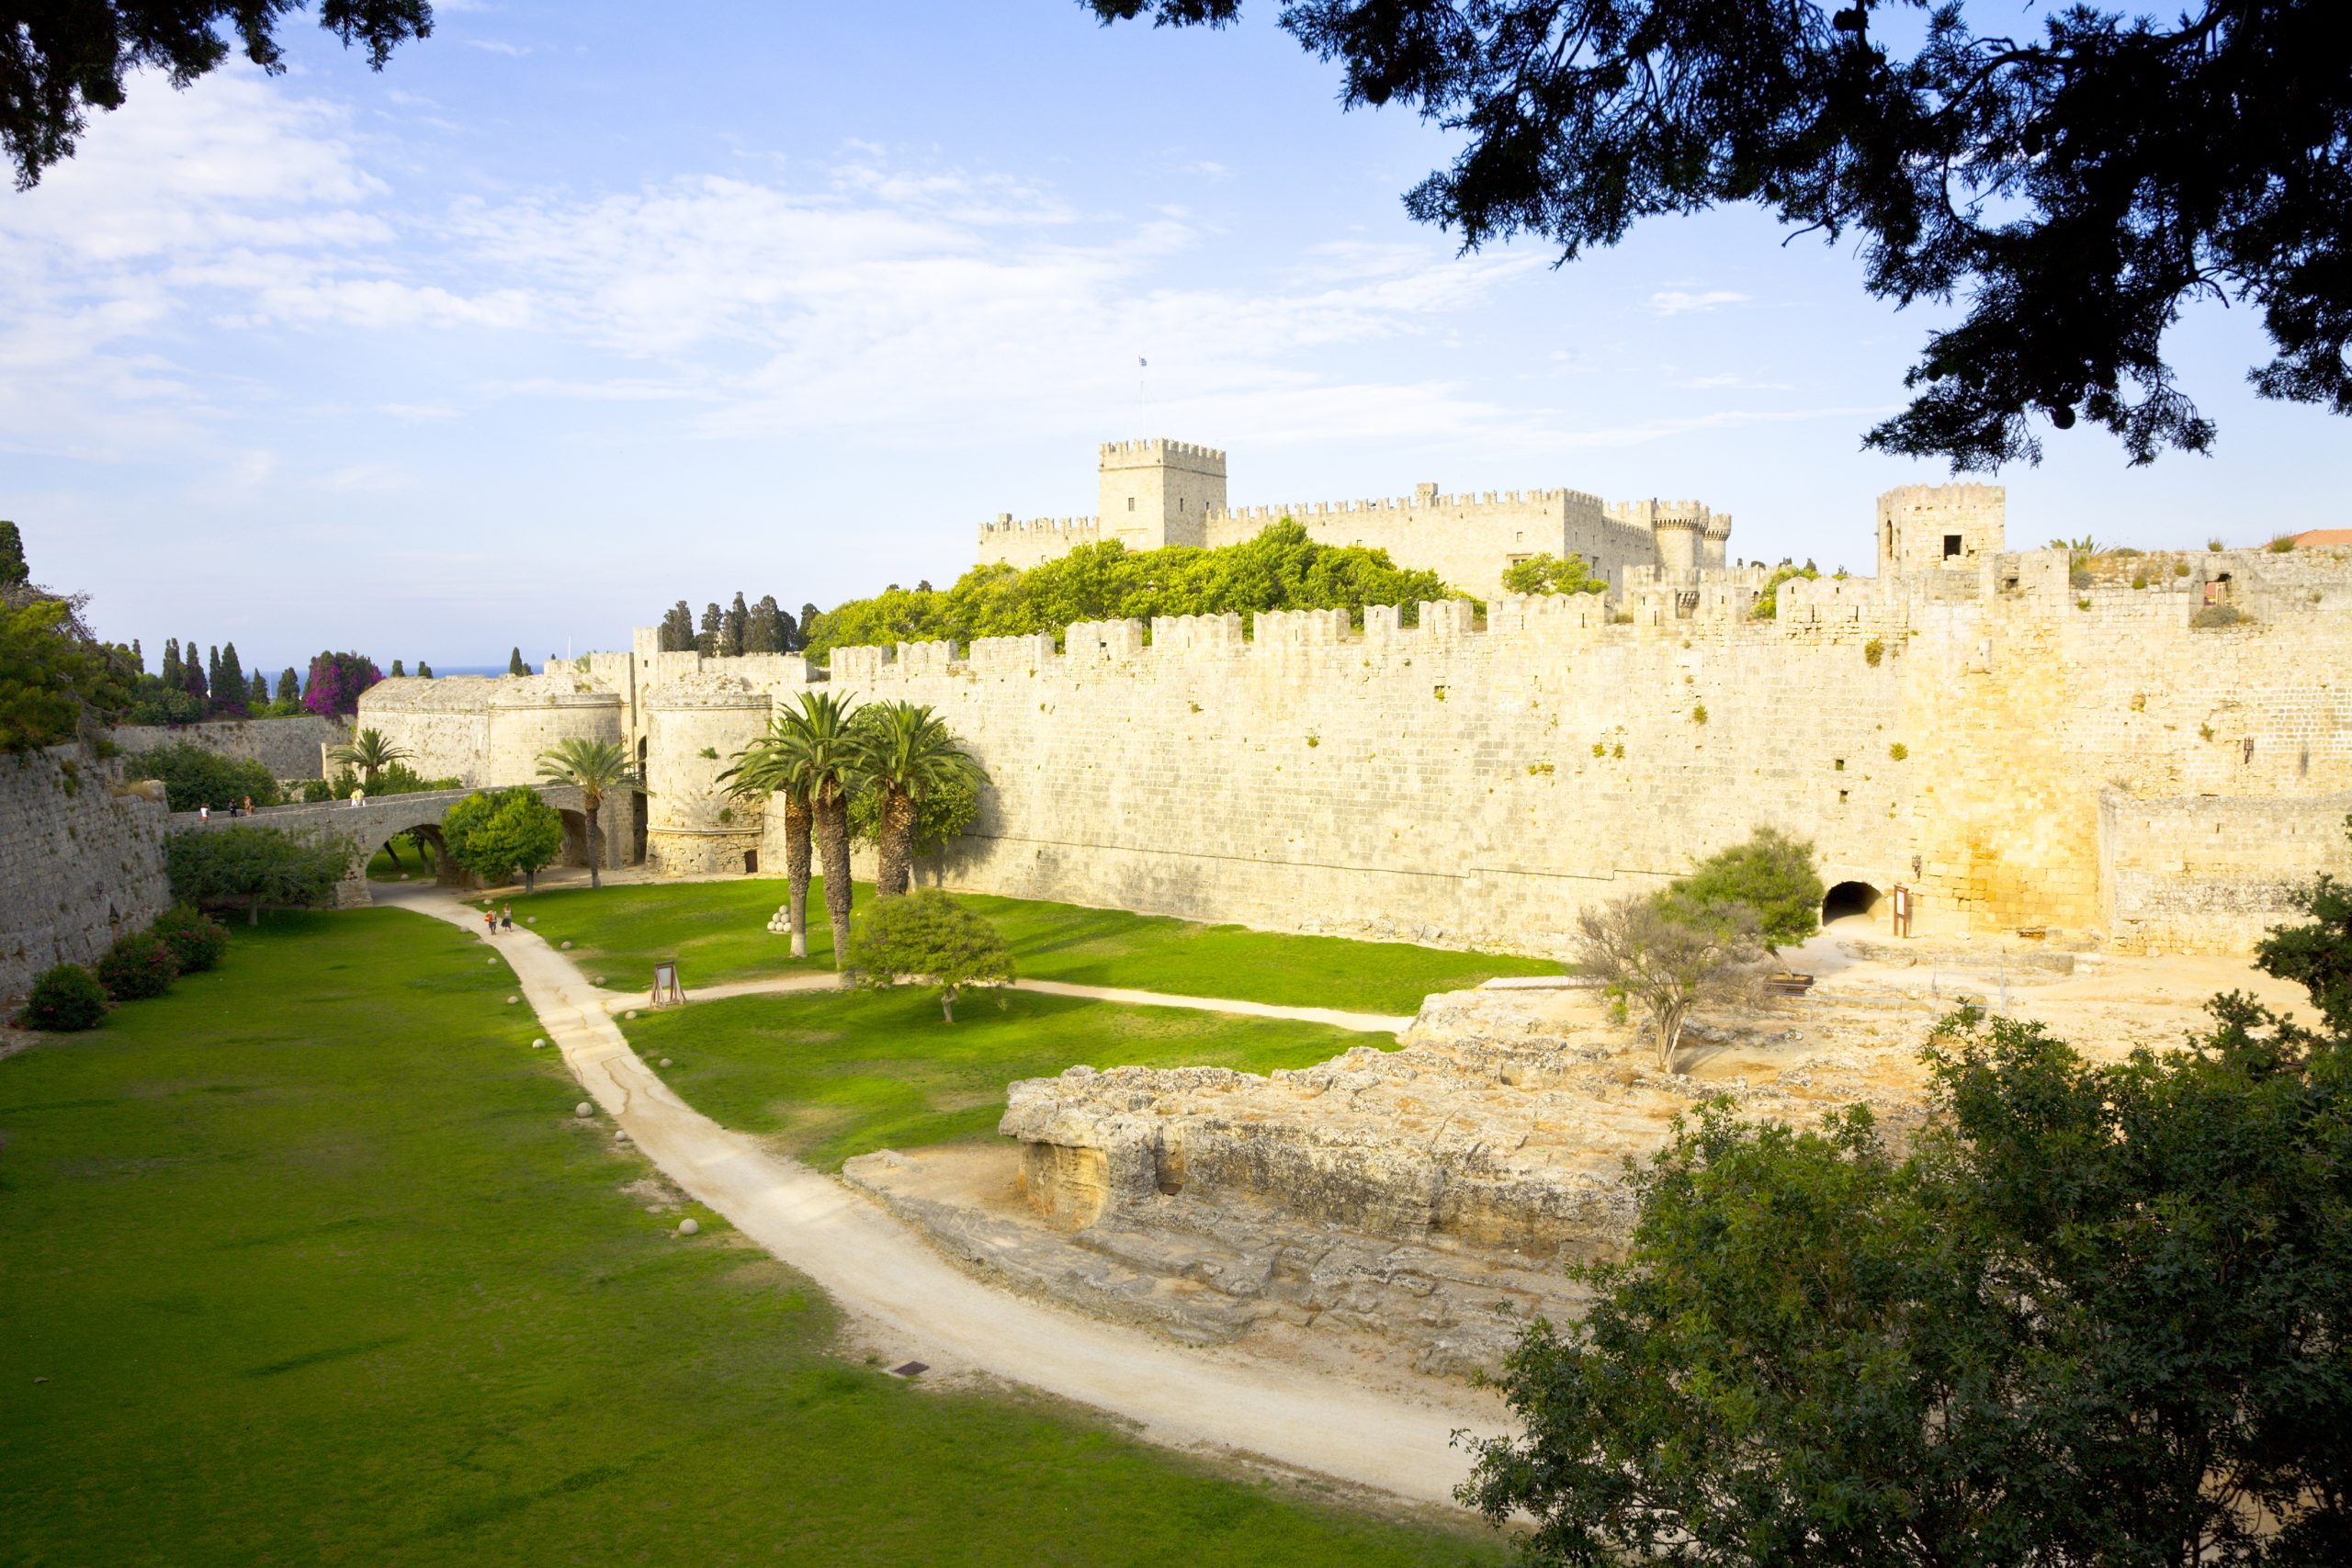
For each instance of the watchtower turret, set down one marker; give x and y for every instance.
(1939, 527)
(1159, 493)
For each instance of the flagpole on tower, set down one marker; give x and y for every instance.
(1143, 402)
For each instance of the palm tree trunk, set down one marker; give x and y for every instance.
(589, 805)
(947, 1003)
(894, 843)
(832, 844)
(796, 868)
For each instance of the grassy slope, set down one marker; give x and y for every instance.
(718, 930)
(319, 1270)
(843, 1073)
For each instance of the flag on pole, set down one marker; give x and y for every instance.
(1142, 362)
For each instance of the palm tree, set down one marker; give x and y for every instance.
(805, 758)
(594, 768)
(905, 751)
(371, 753)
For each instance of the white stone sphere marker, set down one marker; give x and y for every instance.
(583, 1110)
(688, 1227)
(537, 1043)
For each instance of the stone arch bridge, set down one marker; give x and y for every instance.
(363, 830)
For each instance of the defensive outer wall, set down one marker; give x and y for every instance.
(2020, 749)
(81, 863)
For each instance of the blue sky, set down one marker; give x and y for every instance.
(579, 308)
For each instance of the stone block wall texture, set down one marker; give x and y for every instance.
(79, 864)
(1957, 730)
(290, 748)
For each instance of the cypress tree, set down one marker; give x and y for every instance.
(514, 665)
(192, 673)
(424, 671)
(172, 675)
(137, 657)
(760, 632)
(212, 668)
(678, 628)
(261, 692)
(709, 641)
(807, 629)
(733, 628)
(13, 569)
(290, 689)
(398, 669)
(230, 684)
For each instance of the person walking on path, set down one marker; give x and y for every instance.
(249, 806)
(490, 923)
(507, 919)
(204, 814)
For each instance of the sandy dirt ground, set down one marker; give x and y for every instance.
(912, 1305)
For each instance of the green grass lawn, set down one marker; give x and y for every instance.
(308, 1262)
(835, 1074)
(718, 930)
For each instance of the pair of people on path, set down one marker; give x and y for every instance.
(491, 924)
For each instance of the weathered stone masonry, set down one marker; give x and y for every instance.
(79, 863)
(2066, 753)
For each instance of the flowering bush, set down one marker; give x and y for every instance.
(195, 939)
(64, 998)
(336, 680)
(137, 965)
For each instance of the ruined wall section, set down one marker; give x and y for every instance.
(79, 863)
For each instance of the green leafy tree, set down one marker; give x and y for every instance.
(64, 60)
(2076, 187)
(424, 671)
(1547, 573)
(290, 690)
(248, 867)
(1767, 603)
(2318, 956)
(1281, 568)
(714, 631)
(41, 670)
(596, 769)
(943, 812)
(905, 753)
(398, 670)
(514, 665)
(14, 572)
(496, 833)
(1666, 956)
(195, 776)
(369, 753)
(1770, 876)
(763, 627)
(678, 628)
(2093, 1316)
(929, 939)
(797, 640)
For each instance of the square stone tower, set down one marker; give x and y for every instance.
(1939, 527)
(1159, 493)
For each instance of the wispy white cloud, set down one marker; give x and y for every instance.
(1681, 302)
(496, 46)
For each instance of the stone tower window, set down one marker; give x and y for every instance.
(1951, 546)
(1131, 504)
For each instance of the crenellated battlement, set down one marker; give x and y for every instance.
(1425, 499)
(1184, 454)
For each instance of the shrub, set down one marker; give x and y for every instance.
(2283, 545)
(1898, 752)
(195, 939)
(1872, 651)
(2217, 616)
(2213, 543)
(194, 776)
(1698, 713)
(1770, 878)
(64, 1000)
(136, 966)
(2140, 580)
(2180, 569)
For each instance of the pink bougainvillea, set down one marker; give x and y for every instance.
(336, 680)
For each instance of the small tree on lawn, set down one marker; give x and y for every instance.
(594, 768)
(1665, 957)
(1771, 875)
(929, 938)
(496, 833)
(248, 867)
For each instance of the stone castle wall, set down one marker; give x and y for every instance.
(290, 748)
(2019, 751)
(79, 863)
